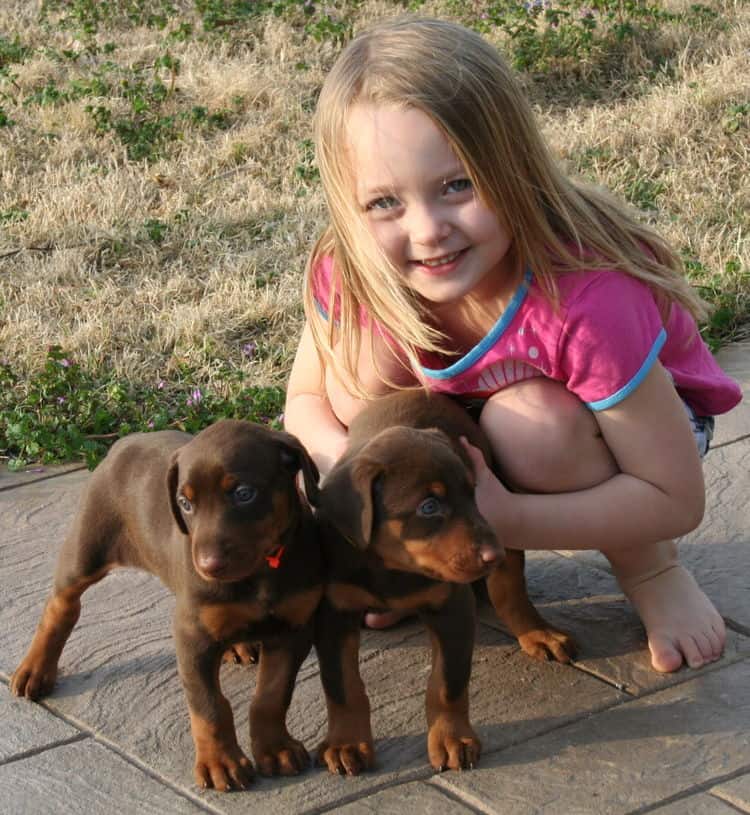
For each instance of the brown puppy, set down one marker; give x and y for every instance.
(401, 530)
(219, 519)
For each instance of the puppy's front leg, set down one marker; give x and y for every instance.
(348, 746)
(274, 750)
(219, 761)
(451, 740)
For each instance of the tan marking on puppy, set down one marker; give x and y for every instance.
(431, 597)
(347, 597)
(226, 620)
(228, 482)
(298, 608)
(188, 492)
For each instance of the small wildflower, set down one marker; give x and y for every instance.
(66, 363)
(150, 424)
(60, 400)
(249, 349)
(160, 385)
(195, 397)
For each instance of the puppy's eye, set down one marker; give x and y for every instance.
(429, 507)
(185, 505)
(244, 494)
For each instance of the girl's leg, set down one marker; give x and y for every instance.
(547, 441)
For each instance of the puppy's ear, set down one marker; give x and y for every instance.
(295, 456)
(172, 481)
(346, 499)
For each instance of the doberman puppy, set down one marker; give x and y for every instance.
(401, 530)
(218, 517)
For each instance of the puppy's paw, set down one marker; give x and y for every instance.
(347, 758)
(280, 755)
(34, 677)
(548, 643)
(223, 768)
(242, 653)
(452, 744)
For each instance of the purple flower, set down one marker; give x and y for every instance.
(60, 400)
(160, 385)
(249, 349)
(66, 363)
(151, 424)
(195, 397)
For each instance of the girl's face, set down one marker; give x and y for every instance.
(421, 207)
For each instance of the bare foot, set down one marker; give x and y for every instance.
(384, 619)
(681, 622)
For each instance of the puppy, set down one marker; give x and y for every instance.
(218, 517)
(401, 530)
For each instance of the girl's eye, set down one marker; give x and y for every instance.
(385, 202)
(458, 185)
(244, 494)
(429, 507)
(185, 505)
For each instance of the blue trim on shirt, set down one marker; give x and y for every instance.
(481, 348)
(323, 313)
(627, 389)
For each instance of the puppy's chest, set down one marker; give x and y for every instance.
(265, 612)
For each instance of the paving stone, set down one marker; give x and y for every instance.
(416, 797)
(736, 792)
(12, 479)
(701, 804)
(85, 778)
(630, 757)
(735, 360)
(612, 643)
(28, 727)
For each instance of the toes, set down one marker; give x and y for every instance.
(665, 657)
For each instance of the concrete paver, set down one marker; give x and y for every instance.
(606, 734)
(28, 728)
(86, 778)
(626, 758)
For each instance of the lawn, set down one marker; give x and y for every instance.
(159, 190)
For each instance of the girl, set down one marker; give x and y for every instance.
(460, 259)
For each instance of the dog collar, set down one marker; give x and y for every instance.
(274, 560)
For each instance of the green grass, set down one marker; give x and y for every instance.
(66, 412)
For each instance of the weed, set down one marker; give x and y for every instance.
(67, 413)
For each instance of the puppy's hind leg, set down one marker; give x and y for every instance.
(83, 561)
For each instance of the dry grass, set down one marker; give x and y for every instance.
(144, 266)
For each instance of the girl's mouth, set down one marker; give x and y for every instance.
(440, 265)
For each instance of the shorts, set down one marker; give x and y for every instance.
(703, 429)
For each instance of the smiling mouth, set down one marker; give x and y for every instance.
(432, 263)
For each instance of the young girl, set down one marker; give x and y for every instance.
(459, 258)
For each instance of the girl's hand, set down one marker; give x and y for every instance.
(493, 499)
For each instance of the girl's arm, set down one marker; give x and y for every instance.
(319, 408)
(658, 494)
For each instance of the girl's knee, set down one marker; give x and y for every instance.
(545, 439)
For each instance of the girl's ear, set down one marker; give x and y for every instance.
(346, 499)
(294, 455)
(173, 475)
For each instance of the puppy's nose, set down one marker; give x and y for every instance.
(211, 563)
(490, 552)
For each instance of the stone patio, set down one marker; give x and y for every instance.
(604, 735)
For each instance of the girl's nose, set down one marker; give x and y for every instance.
(427, 226)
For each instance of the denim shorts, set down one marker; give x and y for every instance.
(703, 429)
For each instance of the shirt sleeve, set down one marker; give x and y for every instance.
(610, 339)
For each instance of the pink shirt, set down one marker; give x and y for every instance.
(600, 342)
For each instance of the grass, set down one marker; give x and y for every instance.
(160, 191)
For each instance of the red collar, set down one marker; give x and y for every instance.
(274, 560)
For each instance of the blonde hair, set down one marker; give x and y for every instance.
(556, 224)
